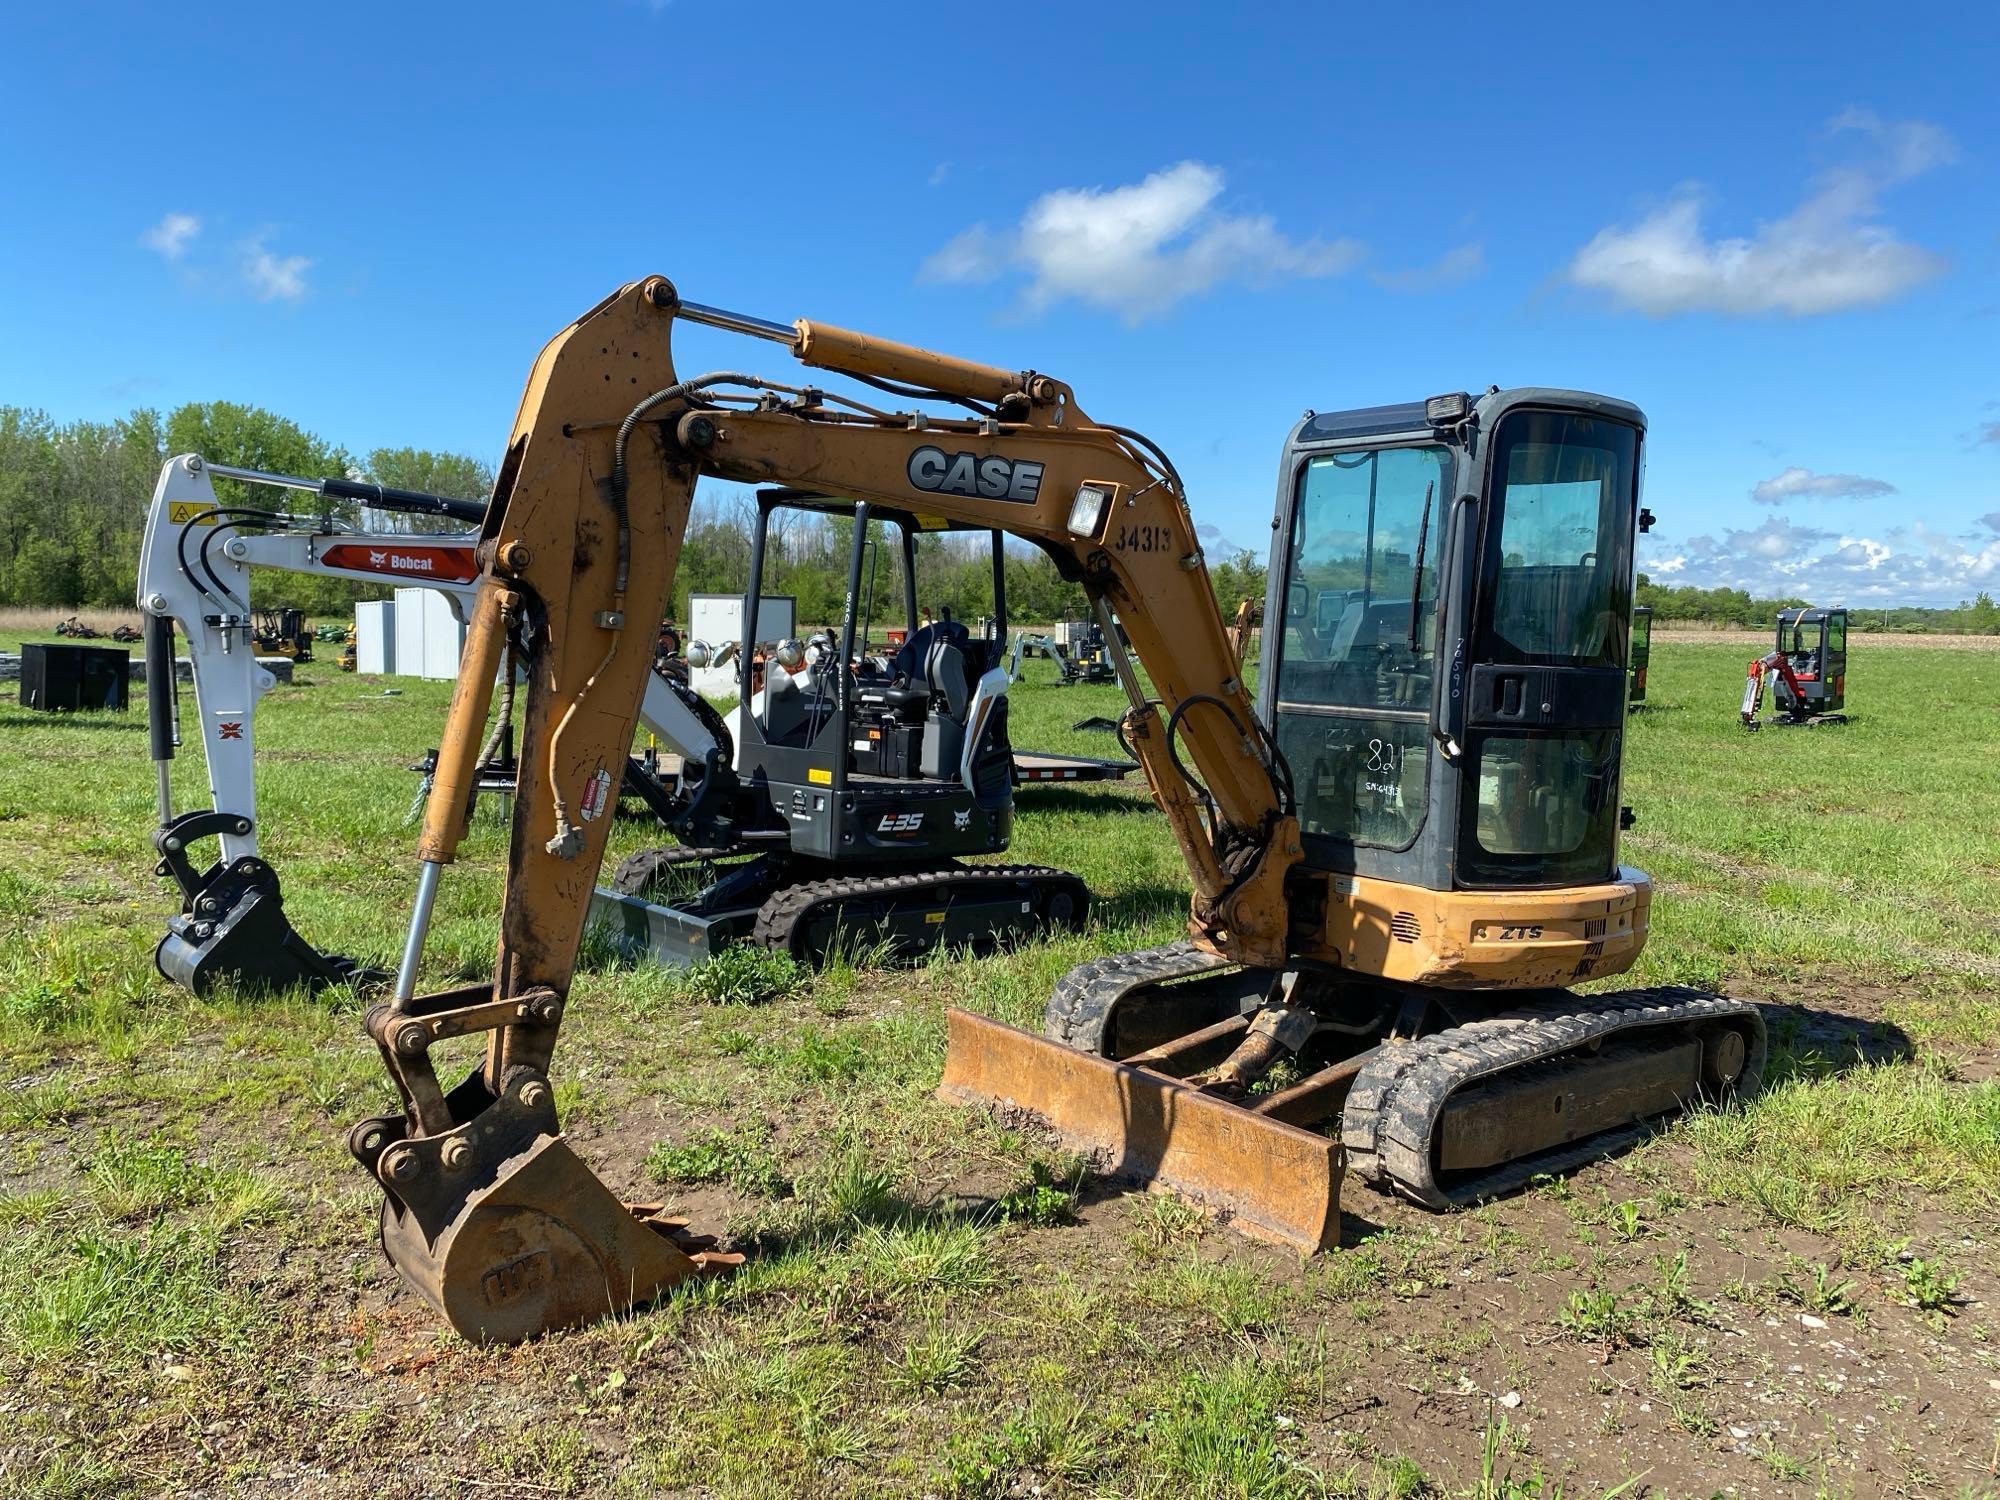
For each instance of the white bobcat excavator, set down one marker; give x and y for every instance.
(194, 576)
(1403, 847)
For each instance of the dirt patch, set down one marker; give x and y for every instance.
(1857, 640)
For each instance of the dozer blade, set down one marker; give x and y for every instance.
(1276, 1181)
(545, 1246)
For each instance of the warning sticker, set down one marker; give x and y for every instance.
(596, 792)
(819, 777)
(180, 512)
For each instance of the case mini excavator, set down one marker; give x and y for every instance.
(1402, 849)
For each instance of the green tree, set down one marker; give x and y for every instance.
(250, 437)
(457, 475)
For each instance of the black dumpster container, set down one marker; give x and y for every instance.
(72, 677)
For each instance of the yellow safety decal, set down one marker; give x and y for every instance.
(180, 512)
(933, 916)
(819, 778)
(928, 522)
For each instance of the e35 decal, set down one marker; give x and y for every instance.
(908, 822)
(937, 472)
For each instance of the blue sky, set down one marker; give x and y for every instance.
(1775, 228)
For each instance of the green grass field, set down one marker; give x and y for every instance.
(1793, 1297)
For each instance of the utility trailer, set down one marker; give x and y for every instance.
(1036, 767)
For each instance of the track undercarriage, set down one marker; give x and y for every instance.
(1445, 1098)
(676, 904)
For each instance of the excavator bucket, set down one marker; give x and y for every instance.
(545, 1246)
(1276, 1181)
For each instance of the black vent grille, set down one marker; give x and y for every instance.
(1406, 927)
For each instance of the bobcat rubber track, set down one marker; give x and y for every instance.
(782, 917)
(637, 872)
(1393, 1108)
(1086, 997)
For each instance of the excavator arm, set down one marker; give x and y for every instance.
(1776, 665)
(488, 1214)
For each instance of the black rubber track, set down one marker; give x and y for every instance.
(639, 872)
(784, 918)
(1088, 996)
(1393, 1109)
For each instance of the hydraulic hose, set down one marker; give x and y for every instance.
(567, 839)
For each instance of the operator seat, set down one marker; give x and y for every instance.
(937, 660)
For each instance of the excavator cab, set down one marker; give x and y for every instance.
(1814, 643)
(862, 770)
(873, 751)
(1454, 581)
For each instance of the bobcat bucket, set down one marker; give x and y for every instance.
(503, 1230)
(1273, 1180)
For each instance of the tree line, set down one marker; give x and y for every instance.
(1687, 604)
(73, 505)
(73, 501)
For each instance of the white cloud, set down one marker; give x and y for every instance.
(1913, 565)
(939, 173)
(1989, 433)
(273, 278)
(1454, 266)
(1796, 483)
(1136, 249)
(1776, 540)
(171, 236)
(1827, 255)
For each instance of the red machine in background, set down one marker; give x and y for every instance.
(1808, 671)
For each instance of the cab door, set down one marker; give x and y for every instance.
(1541, 726)
(1833, 676)
(1353, 656)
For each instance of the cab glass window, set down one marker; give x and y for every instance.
(1352, 580)
(1558, 564)
(1354, 662)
